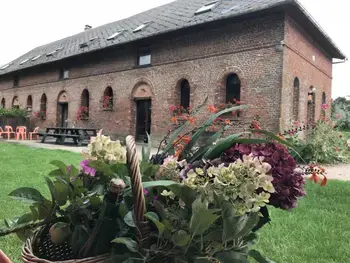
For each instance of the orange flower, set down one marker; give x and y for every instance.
(314, 177)
(212, 109)
(174, 119)
(191, 120)
(179, 150)
(280, 136)
(186, 139)
(227, 122)
(324, 181)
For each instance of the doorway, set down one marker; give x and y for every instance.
(63, 117)
(143, 119)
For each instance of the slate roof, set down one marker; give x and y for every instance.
(170, 17)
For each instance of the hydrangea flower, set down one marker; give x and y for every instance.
(288, 183)
(244, 183)
(86, 168)
(103, 149)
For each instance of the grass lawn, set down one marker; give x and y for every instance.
(24, 166)
(316, 232)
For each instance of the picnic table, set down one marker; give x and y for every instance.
(79, 135)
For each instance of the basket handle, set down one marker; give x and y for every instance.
(137, 189)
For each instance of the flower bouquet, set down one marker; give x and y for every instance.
(184, 204)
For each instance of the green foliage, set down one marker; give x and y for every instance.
(341, 113)
(324, 144)
(13, 112)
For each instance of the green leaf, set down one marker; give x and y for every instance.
(181, 238)
(202, 150)
(184, 192)
(221, 147)
(9, 223)
(179, 130)
(122, 210)
(27, 194)
(207, 123)
(159, 209)
(236, 226)
(232, 257)
(155, 219)
(69, 186)
(35, 213)
(148, 170)
(61, 193)
(120, 169)
(128, 242)
(150, 184)
(74, 171)
(258, 257)
(57, 173)
(24, 219)
(129, 219)
(146, 154)
(101, 167)
(51, 188)
(202, 217)
(79, 238)
(95, 201)
(60, 165)
(215, 235)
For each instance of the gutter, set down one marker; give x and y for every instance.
(341, 61)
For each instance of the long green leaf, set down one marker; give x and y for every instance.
(201, 151)
(208, 122)
(61, 165)
(27, 194)
(155, 219)
(178, 131)
(221, 146)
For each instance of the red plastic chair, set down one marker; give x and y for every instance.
(34, 134)
(21, 131)
(8, 131)
(4, 258)
(1, 131)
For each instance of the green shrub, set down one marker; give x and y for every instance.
(13, 112)
(323, 144)
(341, 113)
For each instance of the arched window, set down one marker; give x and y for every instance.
(15, 102)
(108, 99)
(233, 88)
(324, 98)
(3, 103)
(185, 94)
(296, 94)
(29, 103)
(43, 106)
(84, 107)
(311, 105)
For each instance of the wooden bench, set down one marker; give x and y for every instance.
(61, 138)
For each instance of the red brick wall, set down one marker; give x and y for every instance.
(298, 62)
(204, 58)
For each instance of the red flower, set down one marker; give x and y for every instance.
(256, 125)
(227, 122)
(172, 108)
(212, 109)
(186, 139)
(325, 106)
(234, 112)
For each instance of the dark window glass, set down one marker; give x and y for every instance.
(185, 94)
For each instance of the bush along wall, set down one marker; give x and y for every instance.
(13, 117)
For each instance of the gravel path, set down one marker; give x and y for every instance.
(338, 172)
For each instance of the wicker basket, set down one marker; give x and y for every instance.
(39, 248)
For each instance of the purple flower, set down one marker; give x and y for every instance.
(86, 168)
(68, 169)
(289, 185)
(145, 191)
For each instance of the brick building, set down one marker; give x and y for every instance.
(270, 54)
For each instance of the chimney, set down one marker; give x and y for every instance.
(87, 27)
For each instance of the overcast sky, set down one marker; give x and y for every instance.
(25, 24)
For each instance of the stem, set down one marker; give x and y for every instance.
(15, 229)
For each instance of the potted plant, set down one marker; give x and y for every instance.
(107, 103)
(40, 114)
(83, 113)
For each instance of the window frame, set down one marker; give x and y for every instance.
(143, 52)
